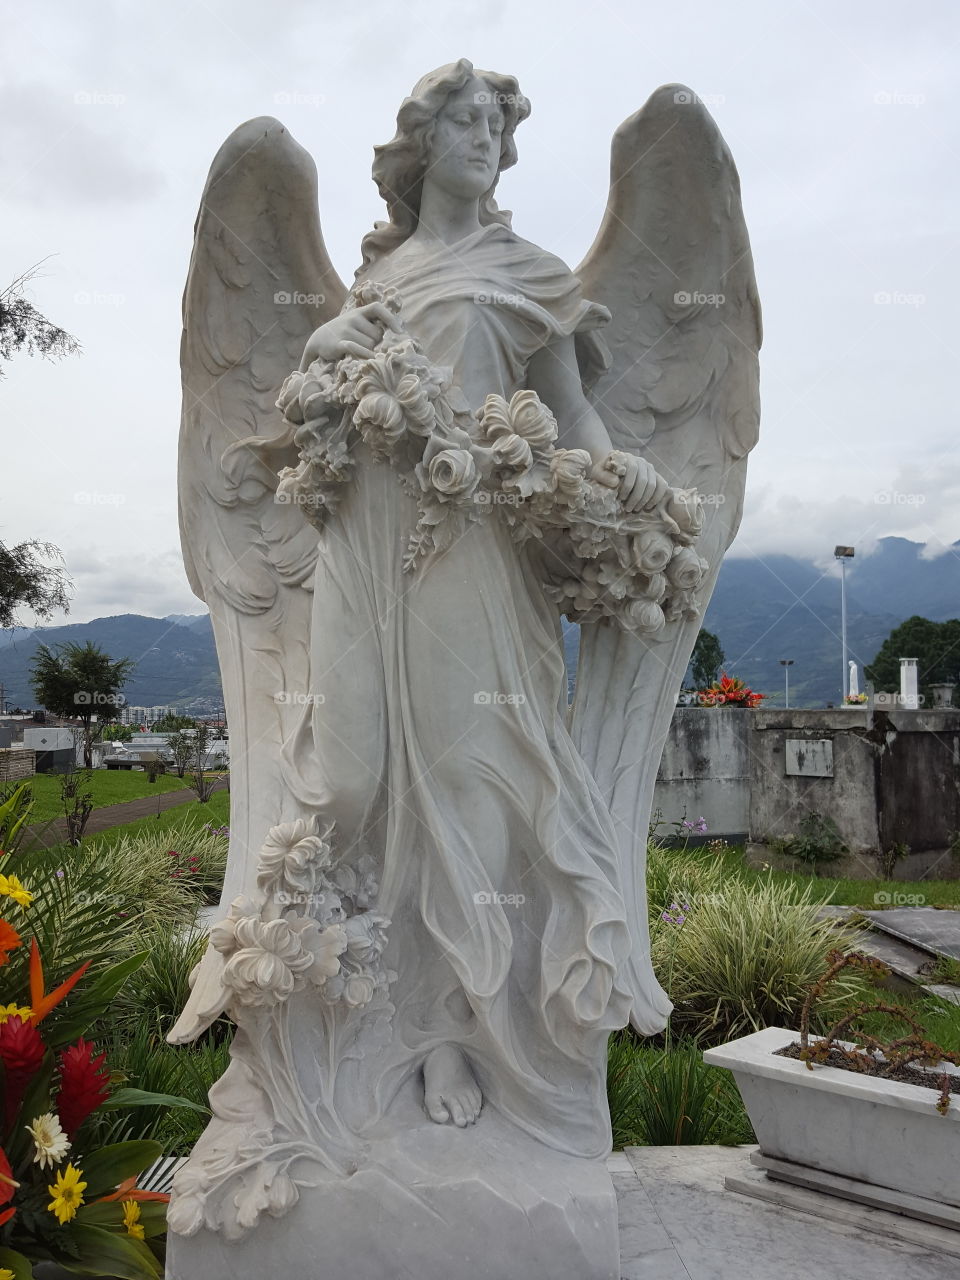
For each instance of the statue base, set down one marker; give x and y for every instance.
(431, 1202)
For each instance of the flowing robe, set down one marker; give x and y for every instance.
(435, 737)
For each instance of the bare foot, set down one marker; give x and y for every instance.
(450, 1091)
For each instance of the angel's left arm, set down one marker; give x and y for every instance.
(553, 373)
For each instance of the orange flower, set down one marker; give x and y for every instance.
(40, 1003)
(7, 1187)
(9, 940)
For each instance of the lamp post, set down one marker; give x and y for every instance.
(843, 554)
(786, 663)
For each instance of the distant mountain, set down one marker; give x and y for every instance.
(763, 610)
(175, 664)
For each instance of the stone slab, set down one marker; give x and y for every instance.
(928, 927)
(717, 1234)
(896, 1202)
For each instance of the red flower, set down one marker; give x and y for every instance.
(9, 940)
(21, 1052)
(84, 1084)
(7, 1187)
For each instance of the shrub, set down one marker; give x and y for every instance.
(740, 957)
(667, 1096)
(817, 841)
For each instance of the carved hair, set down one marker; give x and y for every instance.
(399, 165)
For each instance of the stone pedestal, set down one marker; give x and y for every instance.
(431, 1202)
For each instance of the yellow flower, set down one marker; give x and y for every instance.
(6, 1274)
(14, 1011)
(67, 1194)
(10, 887)
(131, 1219)
(49, 1141)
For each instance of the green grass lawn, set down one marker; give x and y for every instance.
(869, 894)
(216, 811)
(109, 786)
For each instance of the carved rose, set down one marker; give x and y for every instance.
(358, 990)
(652, 551)
(511, 450)
(185, 1213)
(686, 570)
(645, 616)
(686, 507)
(288, 402)
(453, 473)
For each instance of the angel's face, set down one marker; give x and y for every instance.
(465, 148)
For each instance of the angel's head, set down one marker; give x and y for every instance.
(456, 129)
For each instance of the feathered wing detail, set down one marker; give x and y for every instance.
(260, 282)
(672, 262)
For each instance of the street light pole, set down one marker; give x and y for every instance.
(843, 554)
(786, 663)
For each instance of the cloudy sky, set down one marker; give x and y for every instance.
(843, 119)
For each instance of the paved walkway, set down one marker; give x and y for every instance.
(678, 1222)
(112, 815)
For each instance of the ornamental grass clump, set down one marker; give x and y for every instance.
(738, 957)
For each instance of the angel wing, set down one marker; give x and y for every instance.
(260, 282)
(672, 262)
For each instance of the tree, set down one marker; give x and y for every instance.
(172, 723)
(202, 779)
(80, 681)
(117, 733)
(180, 746)
(706, 661)
(935, 645)
(24, 328)
(27, 579)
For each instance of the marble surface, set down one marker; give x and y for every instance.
(678, 1222)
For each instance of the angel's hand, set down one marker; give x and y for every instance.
(353, 333)
(637, 483)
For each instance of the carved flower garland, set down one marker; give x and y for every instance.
(597, 560)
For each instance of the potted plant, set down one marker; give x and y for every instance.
(871, 1114)
(729, 691)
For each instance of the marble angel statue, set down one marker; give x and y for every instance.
(434, 912)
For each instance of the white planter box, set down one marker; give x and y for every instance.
(864, 1128)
